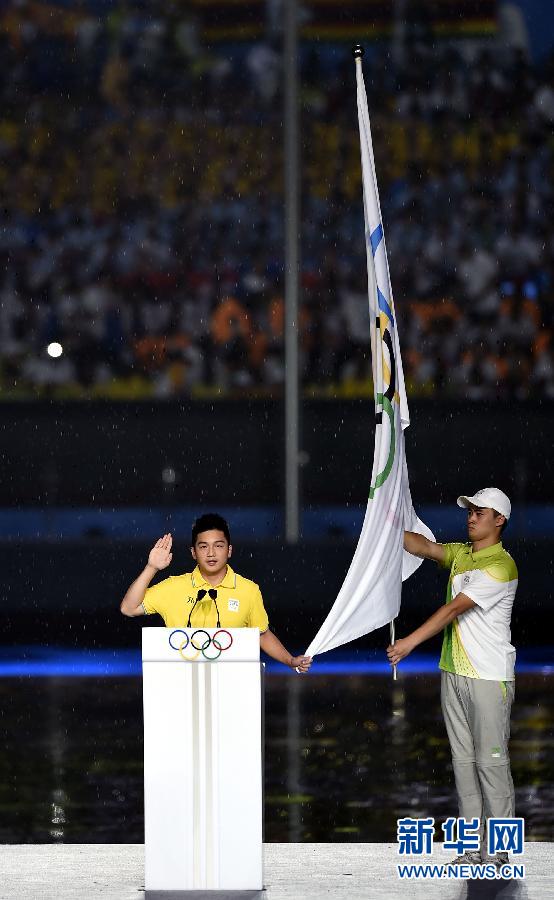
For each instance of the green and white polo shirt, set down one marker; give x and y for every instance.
(477, 644)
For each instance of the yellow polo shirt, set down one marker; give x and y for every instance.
(239, 602)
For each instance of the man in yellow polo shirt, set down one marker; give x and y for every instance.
(212, 596)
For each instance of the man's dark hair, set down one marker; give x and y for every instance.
(208, 522)
(504, 524)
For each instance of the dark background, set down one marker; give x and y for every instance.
(231, 452)
(142, 212)
(69, 592)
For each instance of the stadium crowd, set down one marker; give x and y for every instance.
(141, 224)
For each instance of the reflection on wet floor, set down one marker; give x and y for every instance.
(345, 756)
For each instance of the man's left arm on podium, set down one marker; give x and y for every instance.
(271, 645)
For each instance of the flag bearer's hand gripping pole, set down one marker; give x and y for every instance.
(392, 642)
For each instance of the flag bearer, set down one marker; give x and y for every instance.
(477, 659)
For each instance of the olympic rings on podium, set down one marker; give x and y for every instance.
(206, 643)
(183, 645)
(219, 644)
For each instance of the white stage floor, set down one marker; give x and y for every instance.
(292, 872)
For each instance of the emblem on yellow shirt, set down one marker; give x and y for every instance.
(233, 605)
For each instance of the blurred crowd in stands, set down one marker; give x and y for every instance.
(141, 223)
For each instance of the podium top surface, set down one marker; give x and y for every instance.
(186, 645)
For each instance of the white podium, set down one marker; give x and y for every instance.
(202, 759)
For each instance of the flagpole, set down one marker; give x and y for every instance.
(371, 592)
(392, 642)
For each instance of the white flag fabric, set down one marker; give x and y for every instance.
(370, 595)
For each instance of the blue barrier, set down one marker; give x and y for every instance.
(48, 662)
(259, 523)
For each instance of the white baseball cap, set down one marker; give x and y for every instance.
(492, 498)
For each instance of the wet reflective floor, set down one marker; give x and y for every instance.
(345, 756)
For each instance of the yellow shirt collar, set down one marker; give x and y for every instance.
(198, 581)
(493, 550)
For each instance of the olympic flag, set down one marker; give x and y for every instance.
(370, 595)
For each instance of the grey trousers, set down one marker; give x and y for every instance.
(477, 718)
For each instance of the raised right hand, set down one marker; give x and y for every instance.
(160, 555)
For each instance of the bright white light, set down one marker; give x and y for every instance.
(54, 350)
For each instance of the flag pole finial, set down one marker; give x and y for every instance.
(357, 51)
